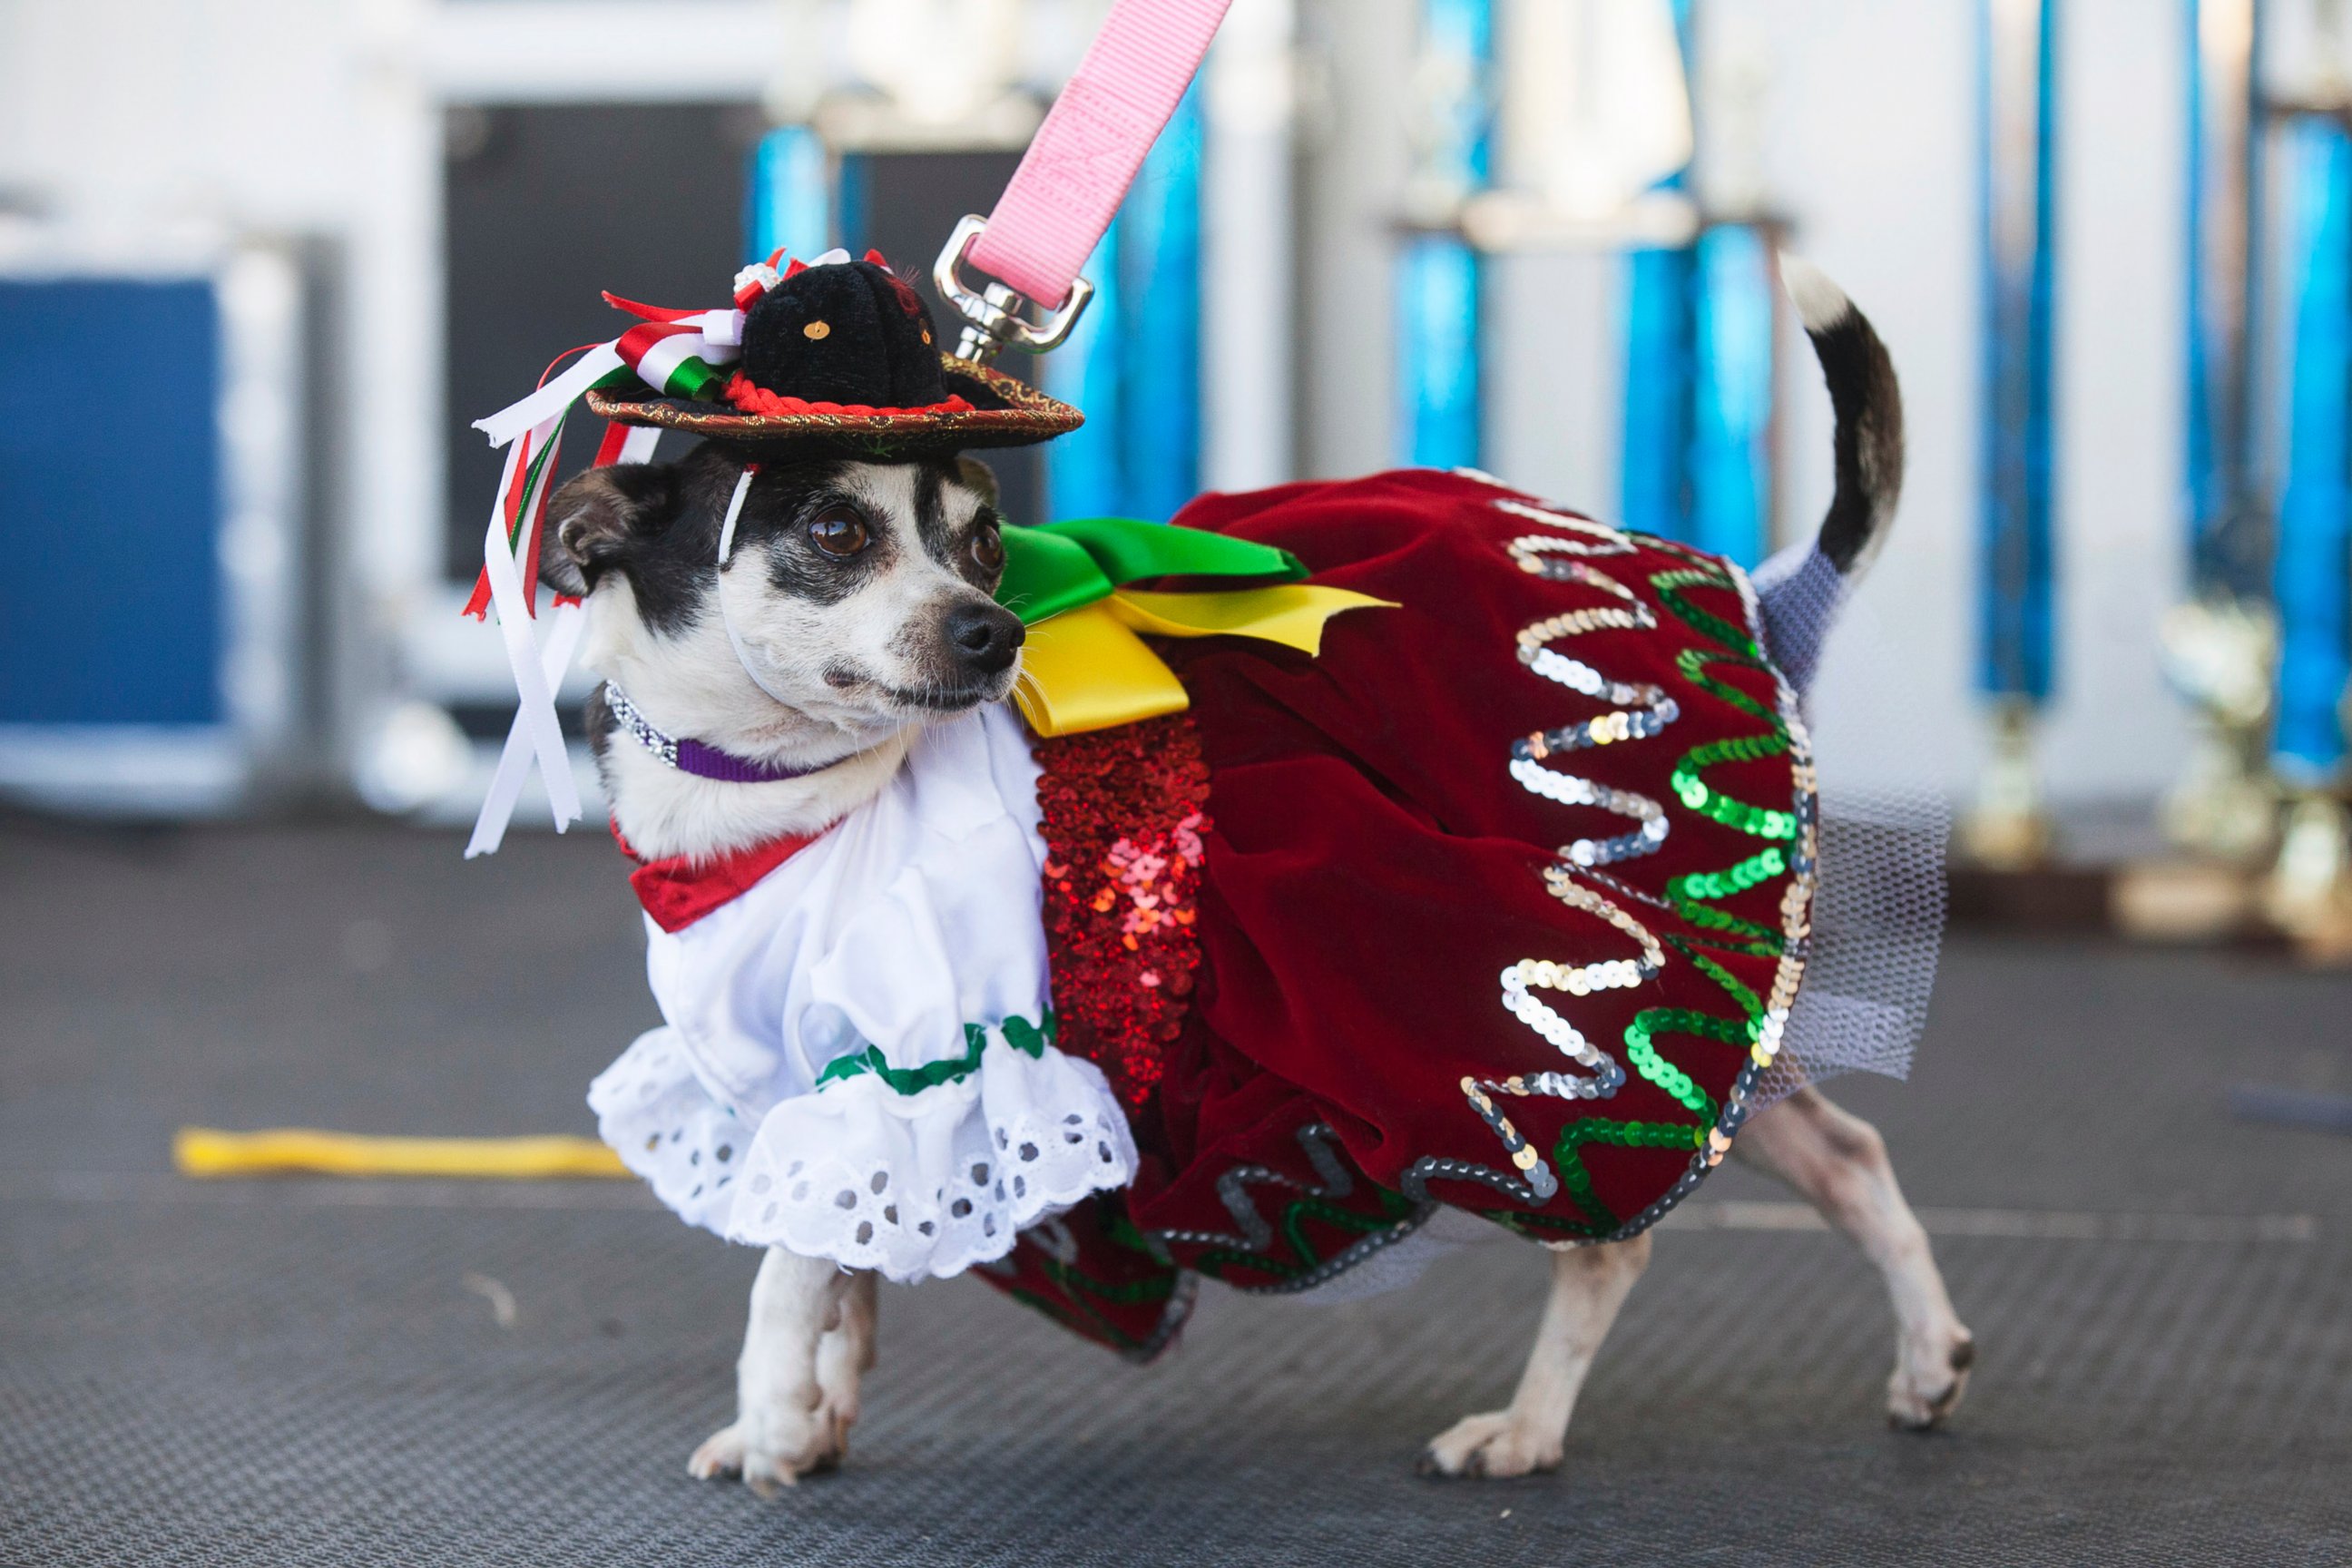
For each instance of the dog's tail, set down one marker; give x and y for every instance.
(1800, 588)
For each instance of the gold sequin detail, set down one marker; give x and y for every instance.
(816, 331)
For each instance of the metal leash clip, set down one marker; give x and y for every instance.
(997, 318)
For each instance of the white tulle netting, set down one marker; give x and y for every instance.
(1878, 924)
(1878, 906)
(913, 1186)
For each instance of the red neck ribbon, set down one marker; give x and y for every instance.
(677, 891)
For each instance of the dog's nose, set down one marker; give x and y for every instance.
(985, 637)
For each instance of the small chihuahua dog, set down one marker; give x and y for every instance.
(854, 608)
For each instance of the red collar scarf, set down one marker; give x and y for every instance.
(676, 891)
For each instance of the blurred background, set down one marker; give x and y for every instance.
(299, 247)
(2106, 240)
(262, 262)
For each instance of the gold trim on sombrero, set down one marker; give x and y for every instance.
(1028, 416)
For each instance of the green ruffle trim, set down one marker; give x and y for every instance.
(1030, 1040)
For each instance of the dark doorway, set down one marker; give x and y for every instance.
(546, 206)
(905, 204)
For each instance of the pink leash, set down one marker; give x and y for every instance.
(1086, 154)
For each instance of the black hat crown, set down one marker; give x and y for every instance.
(852, 332)
(840, 357)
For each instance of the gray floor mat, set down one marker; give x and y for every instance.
(312, 1372)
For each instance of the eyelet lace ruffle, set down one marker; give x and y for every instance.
(913, 1186)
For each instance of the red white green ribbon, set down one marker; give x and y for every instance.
(677, 353)
(521, 494)
(622, 444)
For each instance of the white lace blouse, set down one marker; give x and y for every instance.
(858, 1062)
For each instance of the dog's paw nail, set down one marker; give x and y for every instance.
(720, 1458)
(1964, 1355)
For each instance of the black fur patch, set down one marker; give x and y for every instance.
(775, 523)
(658, 525)
(931, 512)
(671, 559)
(1868, 404)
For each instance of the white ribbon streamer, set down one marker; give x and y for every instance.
(637, 446)
(726, 548)
(566, 624)
(510, 601)
(714, 338)
(734, 511)
(720, 329)
(549, 401)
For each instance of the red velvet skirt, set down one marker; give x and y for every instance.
(1498, 902)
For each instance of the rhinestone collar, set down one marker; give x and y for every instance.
(694, 757)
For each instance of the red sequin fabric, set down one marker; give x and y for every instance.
(1123, 812)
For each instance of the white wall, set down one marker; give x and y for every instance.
(1868, 142)
(1872, 147)
(125, 113)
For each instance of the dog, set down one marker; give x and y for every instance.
(854, 610)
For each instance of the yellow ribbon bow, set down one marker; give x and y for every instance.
(1086, 666)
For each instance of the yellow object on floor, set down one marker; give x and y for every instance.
(210, 1152)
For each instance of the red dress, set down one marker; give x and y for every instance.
(1498, 902)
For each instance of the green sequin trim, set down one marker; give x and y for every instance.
(1691, 896)
(1030, 1040)
(1074, 1310)
(1754, 872)
(1394, 1207)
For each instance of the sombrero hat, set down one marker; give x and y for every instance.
(843, 355)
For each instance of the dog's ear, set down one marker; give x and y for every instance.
(597, 515)
(978, 477)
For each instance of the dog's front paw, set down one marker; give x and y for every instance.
(1929, 1381)
(1495, 1446)
(721, 1458)
(774, 1447)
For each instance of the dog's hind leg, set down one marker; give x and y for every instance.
(1588, 1285)
(786, 1422)
(1838, 1162)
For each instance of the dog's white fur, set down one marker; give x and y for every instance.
(811, 1334)
(1836, 1161)
(810, 1339)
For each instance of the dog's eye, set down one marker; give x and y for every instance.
(840, 533)
(987, 548)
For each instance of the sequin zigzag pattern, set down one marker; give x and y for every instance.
(1279, 1247)
(1639, 711)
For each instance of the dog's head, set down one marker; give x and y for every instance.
(858, 593)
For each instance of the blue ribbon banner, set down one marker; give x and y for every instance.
(2312, 574)
(2225, 548)
(1134, 363)
(1439, 278)
(789, 202)
(2016, 555)
(1697, 459)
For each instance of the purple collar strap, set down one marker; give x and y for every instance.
(694, 757)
